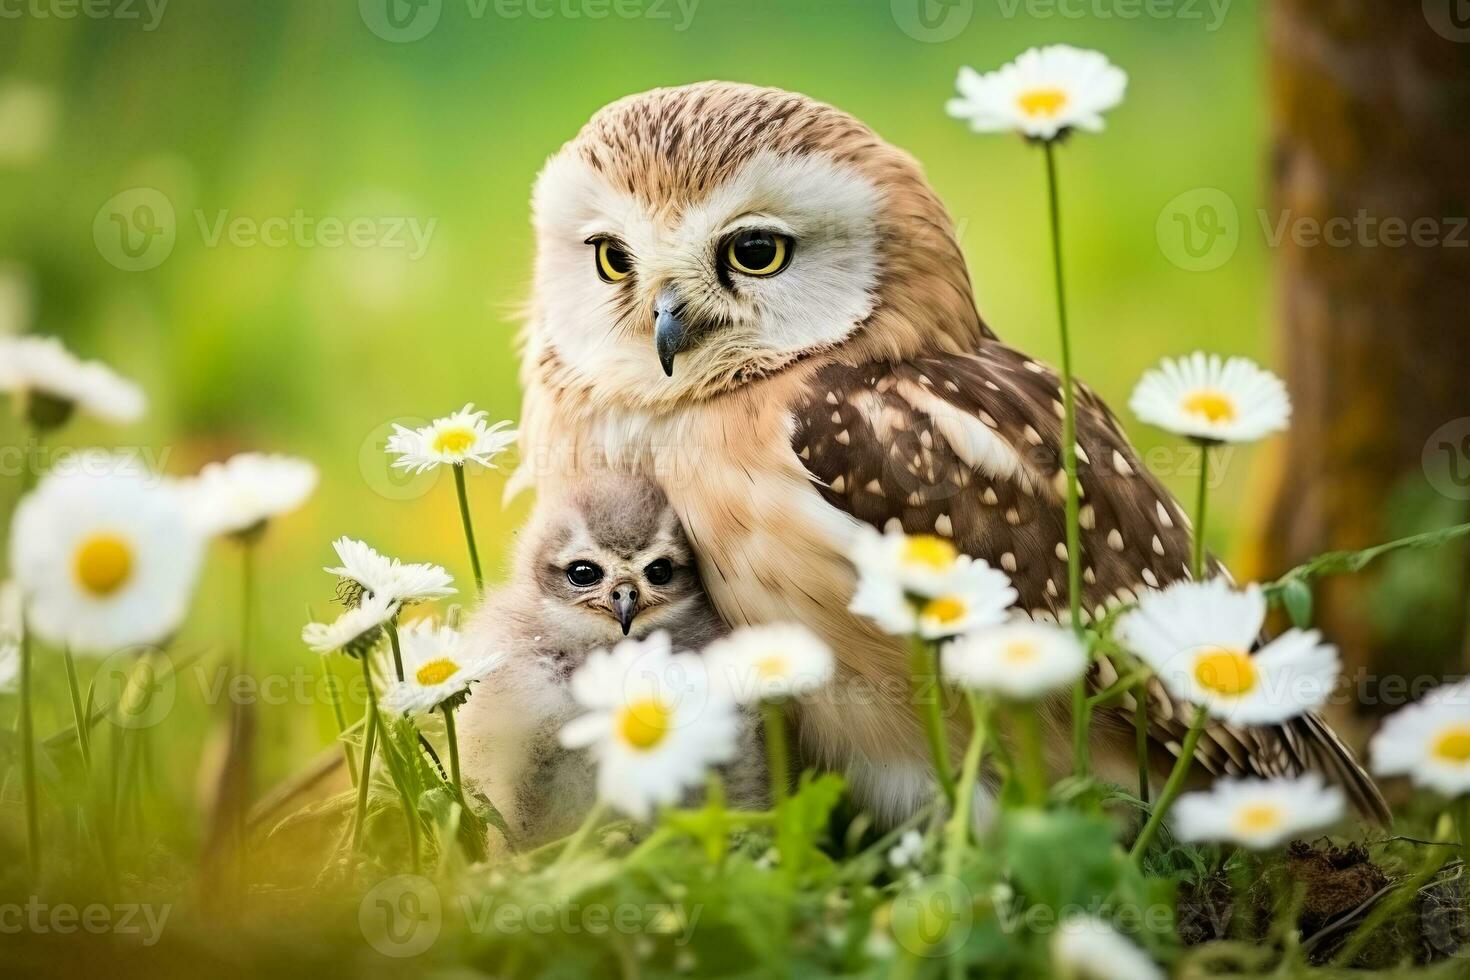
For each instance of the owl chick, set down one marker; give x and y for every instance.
(599, 561)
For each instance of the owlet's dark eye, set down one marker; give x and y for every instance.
(613, 261)
(583, 573)
(758, 253)
(660, 572)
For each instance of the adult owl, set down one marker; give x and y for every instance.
(752, 298)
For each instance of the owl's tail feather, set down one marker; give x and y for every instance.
(1329, 755)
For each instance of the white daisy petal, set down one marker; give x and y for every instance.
(1042, 94)
(104, 556)
(34, 367)
(1197, 637)
(1203, 397)
(763, 663)
(1260, 814)
(1021, 661)
(379, 575)
(356, 631)
(242, 493)
(454, 440)
(923, 585)
(1087, 948)
(1429, 741)
(654, 725)
(438, 668)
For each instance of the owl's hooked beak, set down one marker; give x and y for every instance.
(625, 605)
(670, 334)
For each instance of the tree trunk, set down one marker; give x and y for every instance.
(1371, 189)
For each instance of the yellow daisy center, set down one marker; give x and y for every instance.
(453, 441)
(772, 665)
(644, 723)
(1210, 405)
(1230, 673)
(104, 563)
(436, 672)
(1453, 745)
(945, 610)
(1042, 101)
(930, 551)
(1258, 818)
(1021, 651)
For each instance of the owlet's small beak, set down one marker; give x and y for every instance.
(625, 606)
(670, 334)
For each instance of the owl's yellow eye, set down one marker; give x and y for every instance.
(758, 253)
(613, 261)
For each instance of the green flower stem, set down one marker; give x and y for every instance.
(1202, 497)
(778, 765)
(959, 822)
(1081, 761)
(28, 755)
(578, 839)
(469, 530)
(392, 627)
(1140, 738)
(1462, 824)
(924, 682)
(367, 758)
(1172, 787)
(78, 713)
(1434, 858)
(1031, 763)
(453, 749)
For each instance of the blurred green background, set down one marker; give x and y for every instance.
(271, 108)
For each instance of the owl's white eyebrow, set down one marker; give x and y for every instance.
(592, 230)
(757, 222)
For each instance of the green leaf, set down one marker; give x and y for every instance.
(1296, 596)
(1347, 562)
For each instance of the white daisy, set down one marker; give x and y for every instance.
(1087, 948)
(438, 668)
(379, 575)
(908, 851)
(1020, 660)
(654, 725)
(1205, 398)
(1258, 813)
(1429, 741)
(923, 585)
(105, 557)
(455, 440)
(52, 382)
(1041, 94)
(1197, 637)
(9, 665)
(356, 631)
(764, 663)
(240, 495)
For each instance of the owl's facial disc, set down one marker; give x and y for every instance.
(672, 291)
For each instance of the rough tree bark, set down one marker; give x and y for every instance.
(1371, 122)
